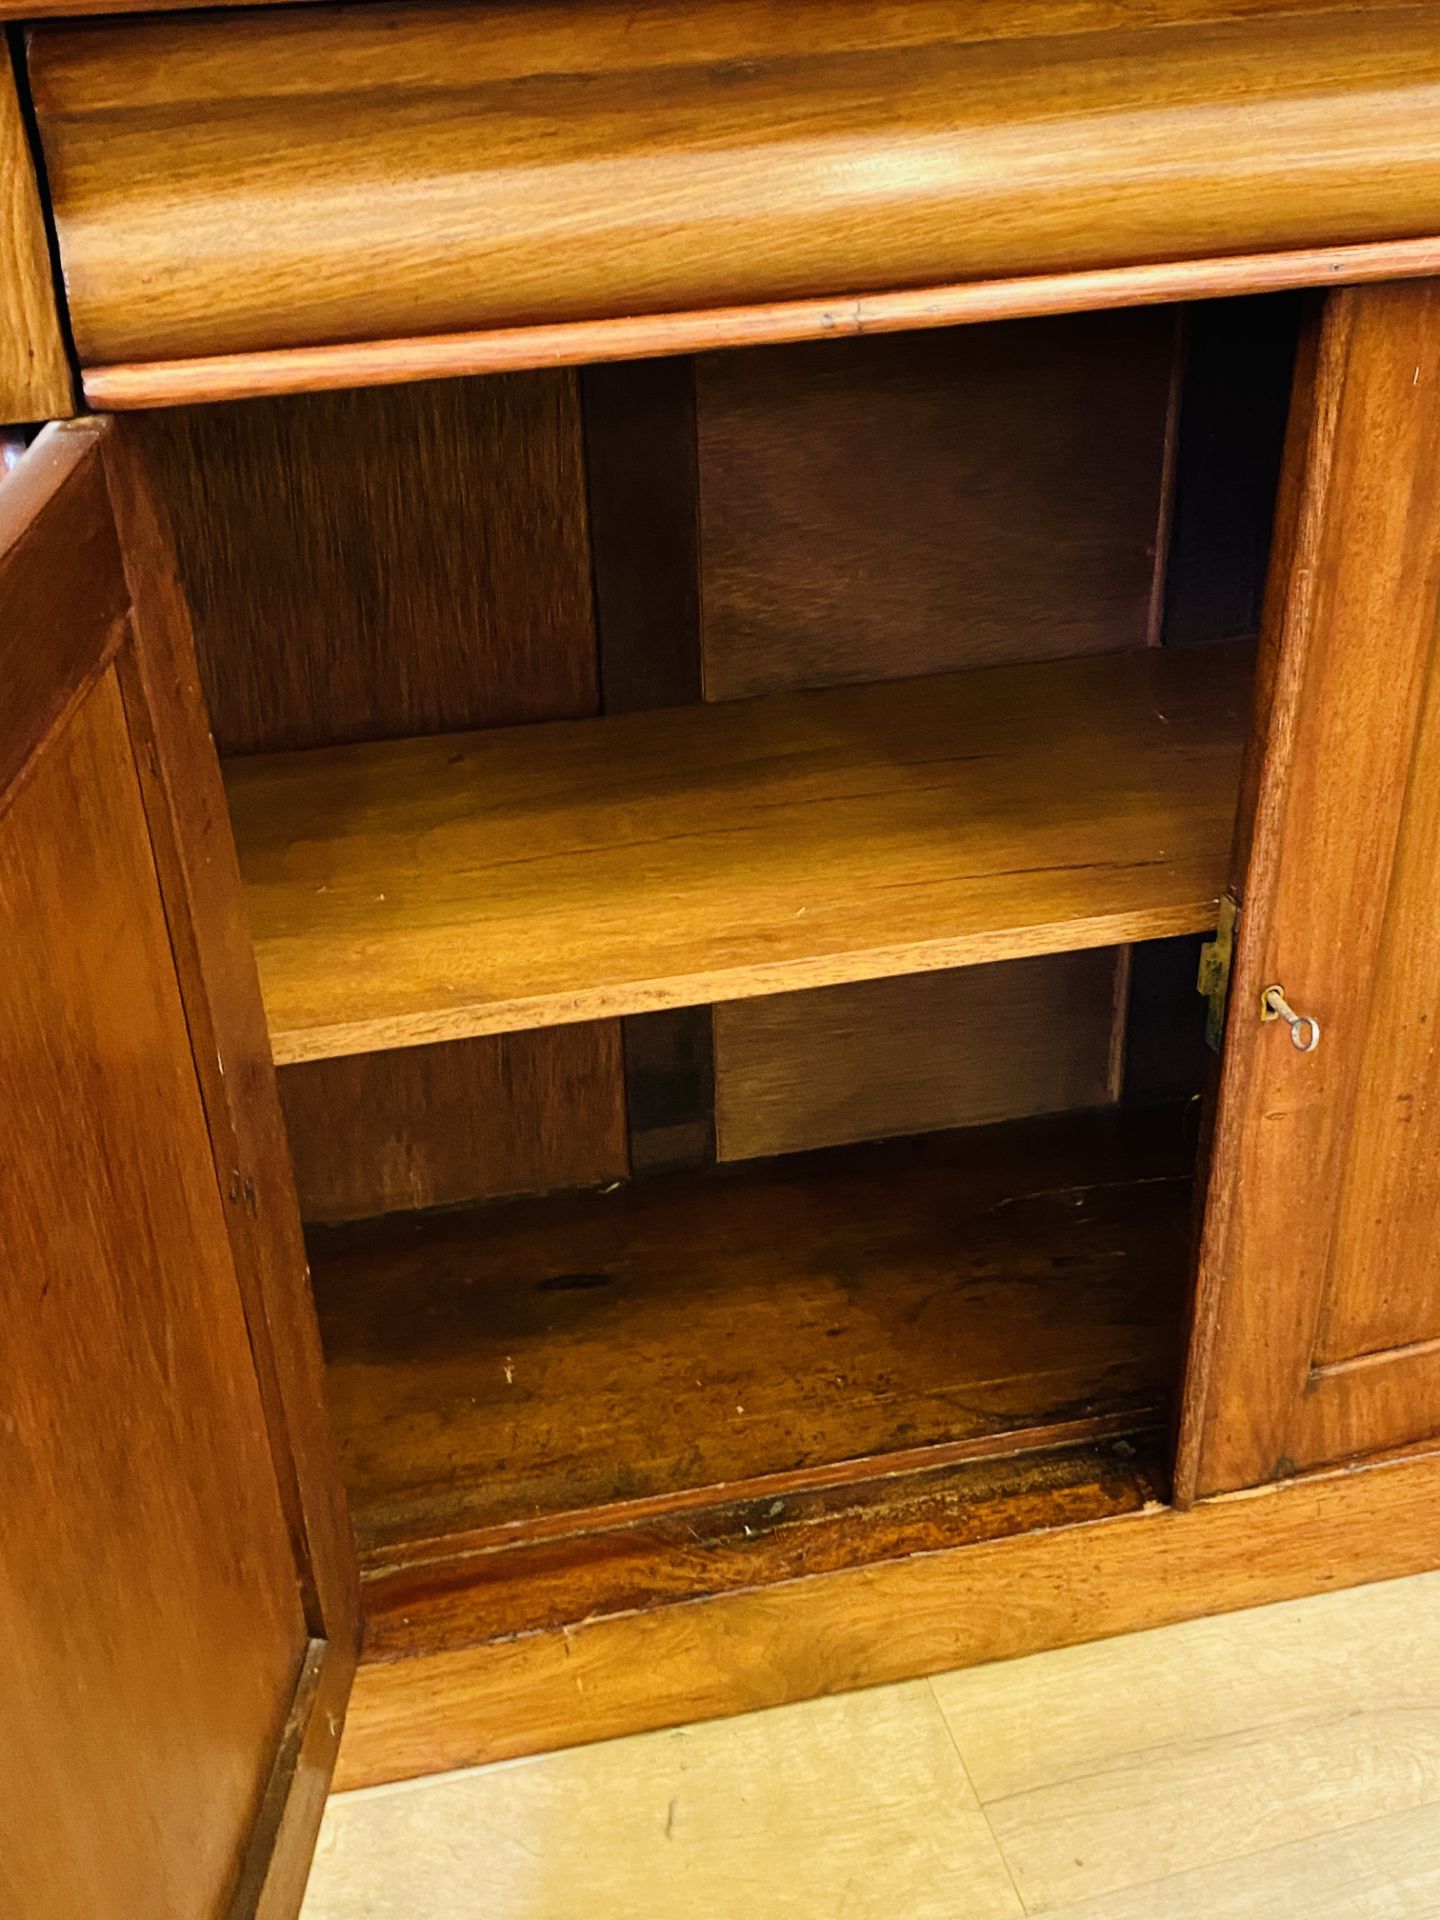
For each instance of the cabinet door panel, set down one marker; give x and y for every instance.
(173, 1638)
(1318, 1307)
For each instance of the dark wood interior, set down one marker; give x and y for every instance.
(604, 1566)
(754, 1331)
(310, 533)
(652, 946)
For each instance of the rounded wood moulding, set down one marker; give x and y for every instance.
(249, 181)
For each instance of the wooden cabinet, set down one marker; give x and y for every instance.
(687, 875)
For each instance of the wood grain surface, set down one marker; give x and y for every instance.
(882, 1057)
(444, 1596)
(1316, 1320)
(699, 1331)
(62, 593)
(190, 1586)
(35, 381)
(226, 184)
(422, 890)
(276, 1867)
(368, 565)
(873, 509)
(194, 854)
(157, 1570)
(436, 1126)
(1388, 1219)
(878, 25)
(204, 378)
(925, 1612)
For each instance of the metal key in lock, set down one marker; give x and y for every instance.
(1304, 1027)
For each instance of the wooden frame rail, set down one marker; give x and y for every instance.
(339, 195)
(378, 363)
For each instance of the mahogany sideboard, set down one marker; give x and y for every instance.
(719, 813)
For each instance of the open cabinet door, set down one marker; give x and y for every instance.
(1317, 1331)
(177, 1601)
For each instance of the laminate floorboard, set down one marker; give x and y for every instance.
(1261, 1766)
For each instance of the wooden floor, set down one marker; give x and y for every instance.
(1282, 1764)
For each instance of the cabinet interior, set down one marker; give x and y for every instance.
(728, 842)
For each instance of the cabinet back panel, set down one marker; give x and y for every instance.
(904, 1056)
(435, 1126)
(876, 509)
(365, 565)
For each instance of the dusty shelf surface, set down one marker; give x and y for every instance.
(528, 1368)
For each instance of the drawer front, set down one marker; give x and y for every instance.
(255, 180)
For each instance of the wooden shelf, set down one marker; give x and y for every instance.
(533, 1370)
(422, 890)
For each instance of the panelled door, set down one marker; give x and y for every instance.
(177, 1611)
(1317, 1322)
